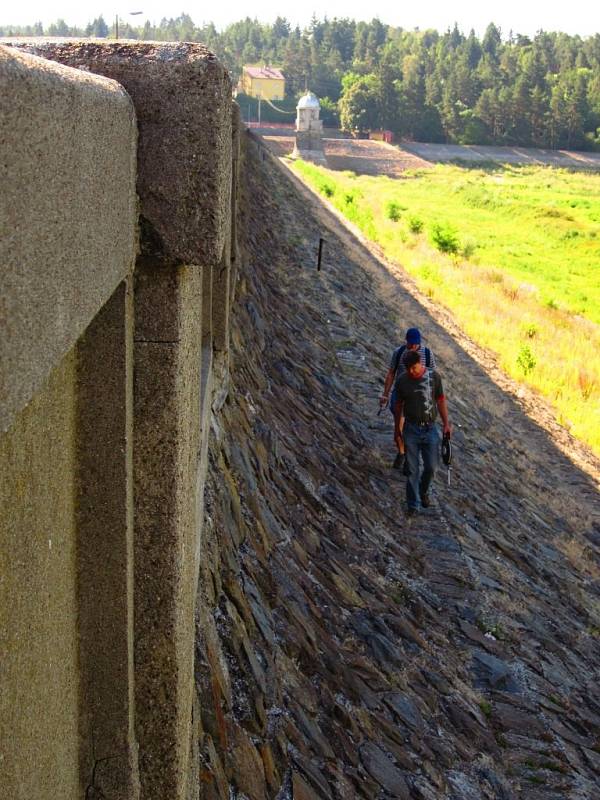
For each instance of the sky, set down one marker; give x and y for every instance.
(520, 16)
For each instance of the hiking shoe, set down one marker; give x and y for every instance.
(425, 500)
(411, 512)
(399, 462)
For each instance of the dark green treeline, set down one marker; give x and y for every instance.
(424, 85)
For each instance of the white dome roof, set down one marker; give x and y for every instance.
(308, 100)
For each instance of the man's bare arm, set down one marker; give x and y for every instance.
(389, 379)
(443, 409)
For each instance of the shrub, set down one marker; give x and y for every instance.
(445, 238)
(351, 197)
(327, 189)
(526, 359)
(530, 330)
(468, 248)
(486, 708)
(415, 224)
(393, 210)
(551, 212)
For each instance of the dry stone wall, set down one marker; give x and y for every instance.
(344, 650)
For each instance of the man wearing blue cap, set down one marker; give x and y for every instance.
(397, 368)
(420, 396)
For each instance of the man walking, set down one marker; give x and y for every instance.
(397, 368)
(420, 396)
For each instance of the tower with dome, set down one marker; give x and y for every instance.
(309, 130)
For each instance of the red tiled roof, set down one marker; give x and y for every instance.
(264, 72)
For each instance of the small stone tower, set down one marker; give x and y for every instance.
(309, 130)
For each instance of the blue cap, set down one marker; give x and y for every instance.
(413, 336)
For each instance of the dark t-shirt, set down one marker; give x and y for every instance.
(397, 363)
(419, 395)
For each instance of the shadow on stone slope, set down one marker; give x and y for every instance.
(343, 652)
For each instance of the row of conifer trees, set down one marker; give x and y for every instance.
(425, 85)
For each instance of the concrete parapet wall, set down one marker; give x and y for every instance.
(67, 216)
(149, 354)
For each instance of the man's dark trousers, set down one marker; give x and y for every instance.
(424, 441)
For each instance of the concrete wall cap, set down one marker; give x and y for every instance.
(182, 97)
(67, 216)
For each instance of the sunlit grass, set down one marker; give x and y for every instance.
(512, 252)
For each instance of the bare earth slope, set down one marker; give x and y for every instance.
(368, 157)
(571, 159)
(343, 651)
(362, 156)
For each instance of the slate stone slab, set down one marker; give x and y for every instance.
(492, 673)
(405, 708)
(381, 768)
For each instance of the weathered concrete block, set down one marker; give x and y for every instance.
(168, 496)
(39, 701)
(108, 759)
(221, 304)
(182, 97)
(67, 213)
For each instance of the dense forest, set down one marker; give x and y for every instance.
(423, 85)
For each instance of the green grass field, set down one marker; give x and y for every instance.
(513, 252)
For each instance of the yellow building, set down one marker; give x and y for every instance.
(265, 82)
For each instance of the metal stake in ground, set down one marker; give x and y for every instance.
(321, 242)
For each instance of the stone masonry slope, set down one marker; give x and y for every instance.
(344, 651)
